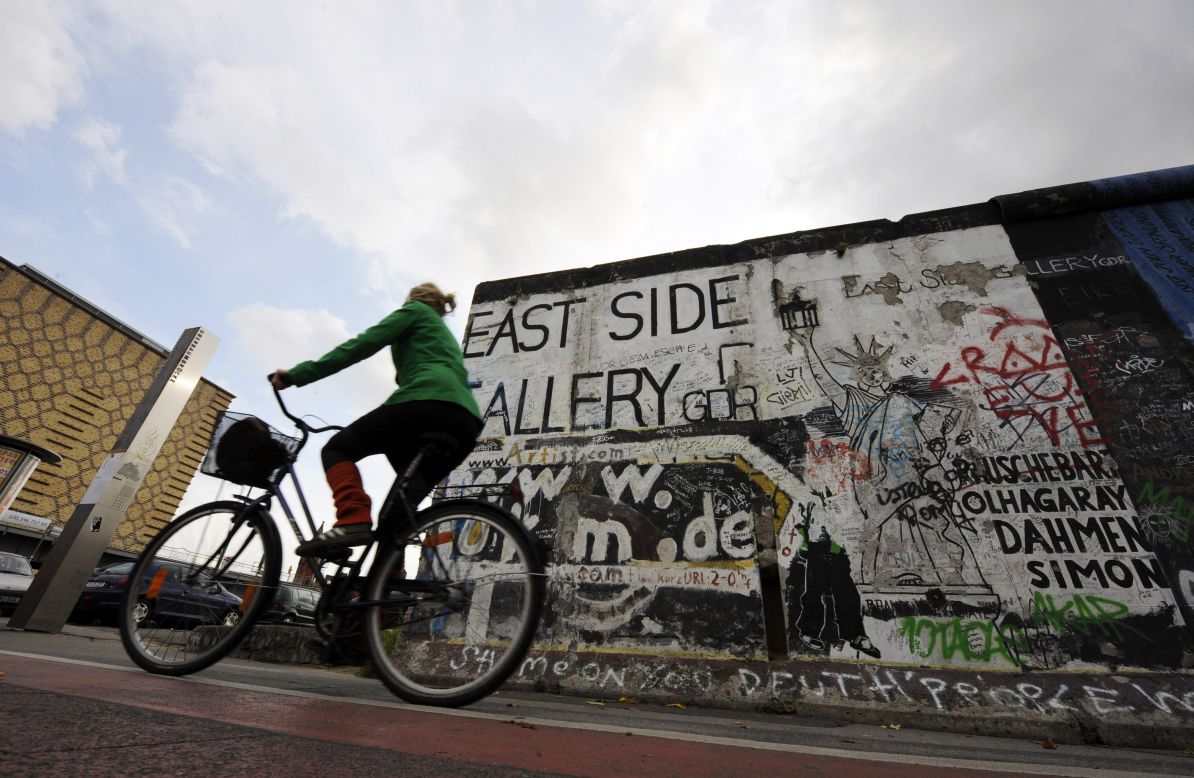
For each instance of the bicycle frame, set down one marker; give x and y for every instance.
(477, 585)
(385, 522)
(394, 509)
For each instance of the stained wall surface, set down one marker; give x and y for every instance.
(960, 439)
(70, 379)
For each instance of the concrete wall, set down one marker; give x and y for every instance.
(957, 440)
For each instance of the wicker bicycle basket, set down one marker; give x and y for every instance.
(246, 450)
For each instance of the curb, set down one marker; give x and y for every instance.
(1138, 708)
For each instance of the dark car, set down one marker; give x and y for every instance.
(293, 605)
(15, 577)
(178, 600)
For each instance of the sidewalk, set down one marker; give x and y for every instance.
(103, 717)
(1128, 709)
(1136, 709)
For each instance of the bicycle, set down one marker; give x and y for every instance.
(448, 606)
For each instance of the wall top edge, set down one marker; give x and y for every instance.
(807, 241)
(1153, 186)
(1175, 183)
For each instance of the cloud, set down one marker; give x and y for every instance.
(272, 338)
(956, 102)
(461, 142)
(505, 140)
(41, 71)
(98, 224)
(28, 227)
(528, 170)
(174, 206)
(290, 130)
(488, 140)
(285, 336)
(102, 140)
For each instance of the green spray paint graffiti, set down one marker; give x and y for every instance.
(972, 641)
(1084, 615)
(1011, 642)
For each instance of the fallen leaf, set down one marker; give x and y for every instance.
(674, 705)
(627, 700)
(511, 705)
(892, 726)
(1049, 744)
(740, 724)
(598, 703)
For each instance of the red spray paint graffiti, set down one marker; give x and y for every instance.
(833, 465)
(1025, 376)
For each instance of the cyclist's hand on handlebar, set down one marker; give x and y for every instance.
(280, 379)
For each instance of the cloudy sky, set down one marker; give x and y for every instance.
(282, 172)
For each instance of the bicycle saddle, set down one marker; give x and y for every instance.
(438, 444)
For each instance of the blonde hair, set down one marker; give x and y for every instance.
(427, 292)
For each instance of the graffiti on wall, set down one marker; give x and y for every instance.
(917, 461)
(889, 690)
(1132, 359)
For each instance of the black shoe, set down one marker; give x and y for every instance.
(862, 643)
(336, 538)
(336, 554)
(810, 645)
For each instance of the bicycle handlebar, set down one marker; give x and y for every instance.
(302, 425)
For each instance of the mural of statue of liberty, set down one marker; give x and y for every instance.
(914, 533)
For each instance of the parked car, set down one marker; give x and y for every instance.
(293, 605)
(192, 603)
(15, 577)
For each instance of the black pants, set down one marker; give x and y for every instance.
(828, 584)
(394, 430)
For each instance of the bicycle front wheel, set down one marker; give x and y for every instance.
(198, 587)
(452, 607)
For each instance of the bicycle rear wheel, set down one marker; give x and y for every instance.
(459, 600)
(198, 587)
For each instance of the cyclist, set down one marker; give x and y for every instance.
(432, 396)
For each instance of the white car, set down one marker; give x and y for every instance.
(15, 577)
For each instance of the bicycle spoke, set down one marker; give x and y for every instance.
(195, 590)
(475, 595)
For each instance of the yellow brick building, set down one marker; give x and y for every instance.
(70, 378)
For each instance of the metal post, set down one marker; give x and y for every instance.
(18, 460)
(56, 587)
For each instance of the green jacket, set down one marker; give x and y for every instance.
(426, 356)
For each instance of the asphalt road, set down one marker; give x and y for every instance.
(72, 703)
